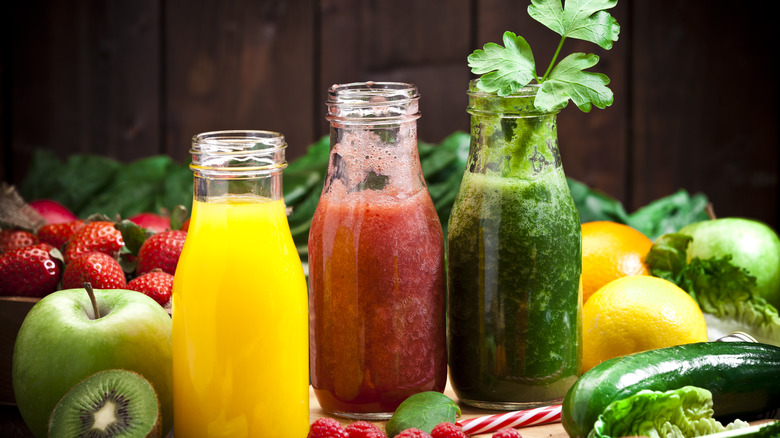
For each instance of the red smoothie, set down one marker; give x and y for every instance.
(376, 305)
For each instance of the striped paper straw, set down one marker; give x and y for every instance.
(527, 417)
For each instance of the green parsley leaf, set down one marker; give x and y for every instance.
(569, 80)
(505, 70)
(580, 19)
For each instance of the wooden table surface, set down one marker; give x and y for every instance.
(553, 430)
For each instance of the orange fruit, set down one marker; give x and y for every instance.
(611, 250)
(638, 313)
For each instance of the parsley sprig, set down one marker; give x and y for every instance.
(508, 68)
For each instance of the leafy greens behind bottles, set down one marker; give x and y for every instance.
(89, 184)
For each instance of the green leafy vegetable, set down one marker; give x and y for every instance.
(681, 413)
(770, 430)
(724, 292)
(89, 184)
(423, 411)
(508, 68)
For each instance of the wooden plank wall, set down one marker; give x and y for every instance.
(695, 82)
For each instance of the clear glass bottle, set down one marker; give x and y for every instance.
(376, 259)
(240, 315)
(513, 260)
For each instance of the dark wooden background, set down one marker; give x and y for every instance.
(695, 82)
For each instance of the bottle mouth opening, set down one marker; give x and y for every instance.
(238, 153)
(373, 102)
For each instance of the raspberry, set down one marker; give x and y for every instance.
(364, 429)
(507, 433)
(447, 430)
(327, 428)
(413, 433)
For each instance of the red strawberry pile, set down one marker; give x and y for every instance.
(332, 428)
(139, 254)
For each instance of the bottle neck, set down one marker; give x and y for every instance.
(238, 163)
(510, 137)
(373, 131)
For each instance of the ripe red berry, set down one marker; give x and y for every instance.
(327, 428)
(507, 433)
(30, 271)
(364, 429)
(100, 236)
(14, 238)
(447, 430)
(161, 251)
(156, 284)
(101, 270)
(151, 221)
(413, 433)
(58, 234)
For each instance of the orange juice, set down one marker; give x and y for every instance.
(240, 324)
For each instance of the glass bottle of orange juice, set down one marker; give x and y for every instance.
(240, 312)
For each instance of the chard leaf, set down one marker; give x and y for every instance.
(670, 213)
(569, 80)
(580, 19)
(505, 69)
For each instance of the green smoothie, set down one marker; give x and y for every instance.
(514, 265)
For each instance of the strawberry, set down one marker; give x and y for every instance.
(151, 221)
(58, 234)
(100, 236)
(30, 271)
(101, 270)
(14, 238)
(161, 251)
(156, 283)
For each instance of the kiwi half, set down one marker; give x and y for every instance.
(111, 403)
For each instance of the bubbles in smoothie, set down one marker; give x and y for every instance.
(382, 159)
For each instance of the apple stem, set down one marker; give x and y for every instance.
(91, 293)
(710, 209)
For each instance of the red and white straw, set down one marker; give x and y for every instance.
(527, 417)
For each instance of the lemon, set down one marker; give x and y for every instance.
(638, 313)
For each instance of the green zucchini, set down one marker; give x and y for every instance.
(744, 378)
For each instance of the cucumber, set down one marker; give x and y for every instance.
(744, 378)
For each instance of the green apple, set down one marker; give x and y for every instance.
(752, 244)
(61, 342)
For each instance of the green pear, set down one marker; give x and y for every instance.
(752, 244)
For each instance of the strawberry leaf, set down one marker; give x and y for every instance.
(580, 19)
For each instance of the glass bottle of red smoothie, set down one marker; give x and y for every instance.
(377, 282)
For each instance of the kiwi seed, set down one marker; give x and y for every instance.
(111, 403)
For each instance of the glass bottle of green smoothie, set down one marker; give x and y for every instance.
(514, 261)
